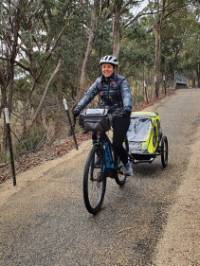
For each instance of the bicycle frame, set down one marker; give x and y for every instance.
(100, 164)
(108, 167)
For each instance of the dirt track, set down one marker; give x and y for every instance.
(43, 220)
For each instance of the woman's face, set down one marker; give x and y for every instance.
(107, 70)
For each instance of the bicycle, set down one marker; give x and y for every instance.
(101, 162)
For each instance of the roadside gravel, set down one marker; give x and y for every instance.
(180, 242)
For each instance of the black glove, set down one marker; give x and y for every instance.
(76, 112)
(126, 112)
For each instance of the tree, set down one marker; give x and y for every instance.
(10, 23)
(95, 11)
(120, 8)
(161, 10)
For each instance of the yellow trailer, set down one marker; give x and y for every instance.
(145, 138)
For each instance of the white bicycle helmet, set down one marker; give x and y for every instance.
(109, 59)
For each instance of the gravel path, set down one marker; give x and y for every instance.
(180, 242)
(43, 221)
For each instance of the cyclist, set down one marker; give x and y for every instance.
(114, 92)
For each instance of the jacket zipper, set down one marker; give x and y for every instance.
(109, 91)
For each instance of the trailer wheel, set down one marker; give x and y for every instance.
(164, 151)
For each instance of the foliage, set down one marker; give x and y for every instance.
(31, 141)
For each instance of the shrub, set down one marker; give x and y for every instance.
(30, 141)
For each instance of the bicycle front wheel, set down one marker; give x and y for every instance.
(94, 183)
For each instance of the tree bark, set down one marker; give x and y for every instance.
(198, 75)
(161, 5)
(5, 135)
(93, 25)
(157, 75)
(193, 82)
(116, 32)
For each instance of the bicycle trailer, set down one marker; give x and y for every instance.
(145, 138)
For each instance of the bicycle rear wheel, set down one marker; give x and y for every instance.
(94, 183)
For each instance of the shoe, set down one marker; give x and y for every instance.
(127, 169)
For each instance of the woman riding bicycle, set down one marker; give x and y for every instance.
(114, 92)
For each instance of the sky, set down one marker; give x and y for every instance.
(137, 9)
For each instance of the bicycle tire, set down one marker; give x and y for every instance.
(88, 177)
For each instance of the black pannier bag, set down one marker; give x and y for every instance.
(94, 120)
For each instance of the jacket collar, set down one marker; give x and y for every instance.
(104, 79)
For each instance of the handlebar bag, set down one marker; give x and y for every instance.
(94, 120)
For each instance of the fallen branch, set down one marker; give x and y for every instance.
(125, 229)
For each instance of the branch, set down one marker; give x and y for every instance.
(140, 14)
(22, 66)
(47, 58)
(173, 10)
(124, 8)
(45, 91)
(162, 14)
(17, 63)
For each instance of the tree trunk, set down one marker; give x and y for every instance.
(161, 11)
(198, 75)
(193, 81)
(93, 25)
(7, 95)
(116, 32)
(11, 47)
(3, 99)
(157, 75)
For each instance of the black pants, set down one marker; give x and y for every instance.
(120, 127)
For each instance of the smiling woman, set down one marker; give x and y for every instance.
(115, 95)
(107, 70)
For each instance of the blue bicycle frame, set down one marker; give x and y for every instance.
(108, 160)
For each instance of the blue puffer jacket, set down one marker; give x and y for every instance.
(114, 93)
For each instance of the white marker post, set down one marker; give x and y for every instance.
(7, 121)
(70, 122)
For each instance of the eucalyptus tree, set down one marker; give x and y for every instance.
(190, 55)
(34, 35)
(161, 11)
(121, 16)
(111, 12)
(55, 40)
(96, 10)
(10, 23)
(137, 50)
(11, 13)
